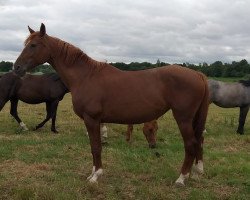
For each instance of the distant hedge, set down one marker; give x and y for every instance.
(216, 69)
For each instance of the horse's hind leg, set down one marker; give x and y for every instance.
(198, 166)
(48, 116)
(242, 118)
(198, 126)
(190, 143)
(54, 106)
(2, 103)
(13, 112)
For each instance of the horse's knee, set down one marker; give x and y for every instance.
(190, 147)
(96, 150)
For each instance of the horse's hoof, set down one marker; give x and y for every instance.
(179, 184)
(157, 154)
(240, 132)
(54, 131)
(93, 181)
(104, 141)
(152, 146)
(195, 176)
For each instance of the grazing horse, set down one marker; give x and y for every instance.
(32, 89)
(231, 95)
(123, 97)
(149, 131)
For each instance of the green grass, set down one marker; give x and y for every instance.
(42, 165)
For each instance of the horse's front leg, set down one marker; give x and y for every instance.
(93, 128)
(13, 112)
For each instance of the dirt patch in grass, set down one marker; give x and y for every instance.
(224, 191)
(20, 170)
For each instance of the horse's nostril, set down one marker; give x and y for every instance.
(18, 67)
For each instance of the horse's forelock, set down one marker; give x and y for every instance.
(30, 37)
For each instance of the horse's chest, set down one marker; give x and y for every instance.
(86, 106)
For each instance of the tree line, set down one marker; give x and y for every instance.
(216, 69)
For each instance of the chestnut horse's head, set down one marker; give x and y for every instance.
(35, 51)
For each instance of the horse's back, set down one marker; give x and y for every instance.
(8, 84)
(148, 94)
(41, 88)
(184, 85)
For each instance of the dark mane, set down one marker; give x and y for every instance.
(72, 54)
(245, 83)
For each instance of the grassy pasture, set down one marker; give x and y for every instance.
(41, 165)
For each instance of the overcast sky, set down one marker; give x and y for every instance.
(173, 31)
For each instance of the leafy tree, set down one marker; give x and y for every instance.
(5, 66)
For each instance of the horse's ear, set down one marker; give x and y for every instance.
(31, 30)
(42, 30)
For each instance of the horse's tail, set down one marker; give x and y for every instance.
(201, 114)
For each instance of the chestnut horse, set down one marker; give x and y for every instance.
(123, 97)
(149, 131)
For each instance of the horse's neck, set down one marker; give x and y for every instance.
(77, 72)
(71, 74)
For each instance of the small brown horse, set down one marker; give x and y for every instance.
(149, 131)
(123, 97)
(32, 89)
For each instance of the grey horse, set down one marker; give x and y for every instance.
(231, 95)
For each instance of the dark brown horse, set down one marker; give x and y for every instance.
(149, 131)
(123, 97)
(32, 89)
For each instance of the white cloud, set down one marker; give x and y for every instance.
(143, 30)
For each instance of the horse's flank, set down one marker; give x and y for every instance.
(229, 95)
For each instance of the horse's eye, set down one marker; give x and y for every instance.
(33, 45)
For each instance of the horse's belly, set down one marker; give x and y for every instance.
(32, 100)
(133, 114)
